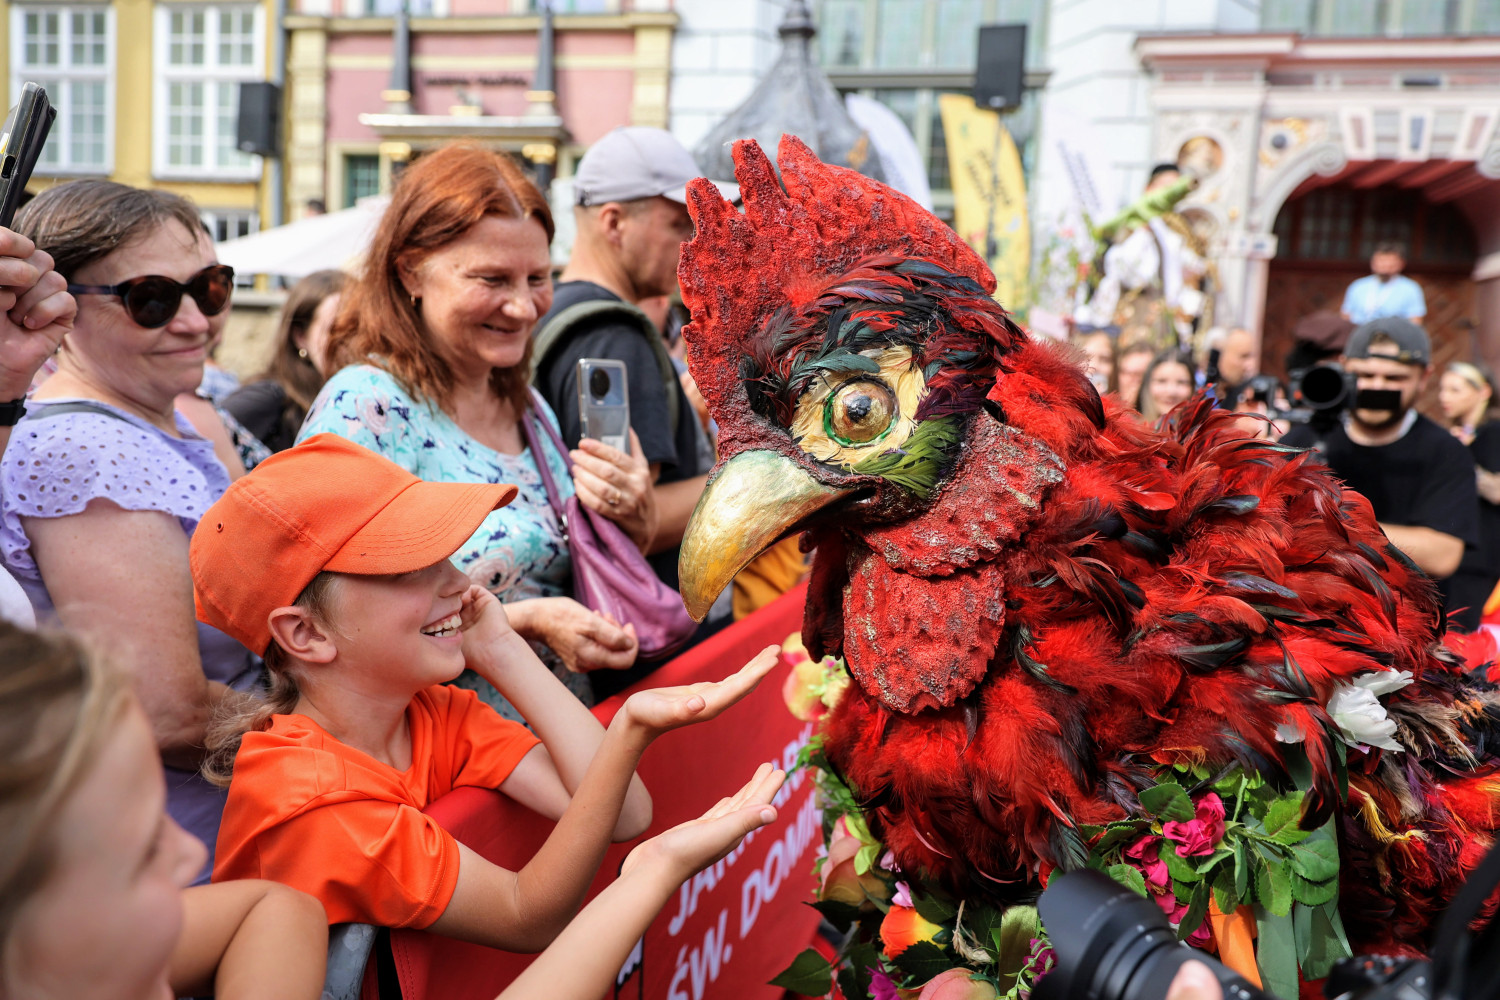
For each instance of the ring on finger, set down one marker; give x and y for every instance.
(614, 498)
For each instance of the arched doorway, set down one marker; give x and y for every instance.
(1325, 236)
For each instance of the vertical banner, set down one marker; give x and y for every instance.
(989, 194)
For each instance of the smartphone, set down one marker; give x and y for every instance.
(604, 401)
(21, 142)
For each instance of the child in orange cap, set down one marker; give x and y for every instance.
(333, 563)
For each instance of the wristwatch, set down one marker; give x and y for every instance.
(12, 412)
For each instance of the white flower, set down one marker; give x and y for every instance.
(1361, 717)
(1383, 682)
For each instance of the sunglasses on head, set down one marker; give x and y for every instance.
(152, 300)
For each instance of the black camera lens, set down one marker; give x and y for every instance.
(1112, 944)
(599, 383)
(1327, 387)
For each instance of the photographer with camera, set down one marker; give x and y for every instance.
(1418, 478)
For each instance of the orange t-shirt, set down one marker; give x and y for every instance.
(323, 817)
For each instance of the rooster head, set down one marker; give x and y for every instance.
(847, 345)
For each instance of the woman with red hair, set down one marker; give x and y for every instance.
(433, 354)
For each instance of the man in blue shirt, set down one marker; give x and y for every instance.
(1385, 292)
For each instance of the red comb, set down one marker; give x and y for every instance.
(739, 269)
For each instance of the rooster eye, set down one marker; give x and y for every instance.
(860, 412)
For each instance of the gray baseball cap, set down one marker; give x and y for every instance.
(1412, 344)
(634, 161)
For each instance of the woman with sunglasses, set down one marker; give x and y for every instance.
(104, 480)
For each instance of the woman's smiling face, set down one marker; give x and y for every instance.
(482, 294)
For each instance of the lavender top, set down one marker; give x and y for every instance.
(54, 466)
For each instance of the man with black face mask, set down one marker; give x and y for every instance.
(1418, 478)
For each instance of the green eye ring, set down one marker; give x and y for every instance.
(860, 412)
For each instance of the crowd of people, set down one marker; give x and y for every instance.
(279, 620)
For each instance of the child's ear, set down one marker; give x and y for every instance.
(295, 630)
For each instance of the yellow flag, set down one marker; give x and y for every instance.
(989, 194)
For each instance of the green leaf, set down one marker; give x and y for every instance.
(934, 908)
(854, 972)
(1317, 858)
(1119, 834)
(1129, 876)
(1273, 887)
(1225, 895)
(1241, 869)
(1282, 819)
(1276, 953)
(1314, 893)
(809, 974)
(865, 859)
(1012, 938)
(1180, 869)
(922, 961)
(1202, 867)
(1196, 911)
(1320, 938)
(1168, 801)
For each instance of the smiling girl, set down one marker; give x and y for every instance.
(334, 563)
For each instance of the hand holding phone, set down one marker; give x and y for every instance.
(21, 141)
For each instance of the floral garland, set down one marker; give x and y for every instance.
(1222, 854)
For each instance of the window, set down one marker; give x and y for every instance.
(386, 8)
(231, 224)
(361, 177)
(1367, 18)
(69, 50)
(203, 53)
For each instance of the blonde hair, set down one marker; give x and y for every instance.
(58, 707)
(229, 724)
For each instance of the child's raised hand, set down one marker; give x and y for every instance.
(483, 623)
(690, 847)
(659, 710)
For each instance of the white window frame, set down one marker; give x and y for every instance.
(212, 76)
(362, 8)
(61, 97)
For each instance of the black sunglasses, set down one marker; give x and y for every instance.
(152, 300)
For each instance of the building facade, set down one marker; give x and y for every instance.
(471, 73)
(148, 94)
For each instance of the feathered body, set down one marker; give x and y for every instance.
(1041, 600)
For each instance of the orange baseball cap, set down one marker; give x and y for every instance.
(327, 504)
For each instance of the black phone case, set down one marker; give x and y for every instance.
(25, 133)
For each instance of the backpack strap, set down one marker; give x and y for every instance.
(580, 314)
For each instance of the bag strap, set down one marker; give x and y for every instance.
(41, 411)
(529, 420)
(558, 327)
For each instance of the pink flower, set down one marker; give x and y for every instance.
(882, 986)
(957, 984)
(1145, 855)
(1201, 835)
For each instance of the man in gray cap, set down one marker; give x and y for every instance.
(1418, 478)
(631, 213)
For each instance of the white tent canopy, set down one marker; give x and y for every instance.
(297, 249)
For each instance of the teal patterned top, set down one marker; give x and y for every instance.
(519, 551)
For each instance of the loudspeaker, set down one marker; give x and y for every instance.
(259, 125)
(1000, 73)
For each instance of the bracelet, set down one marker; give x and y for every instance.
(12, 412)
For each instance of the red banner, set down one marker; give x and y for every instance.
(732, 927)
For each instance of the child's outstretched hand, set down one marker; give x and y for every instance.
(690, 847)
(483, 623)
(660, 710)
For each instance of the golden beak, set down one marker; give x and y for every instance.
(752, 501)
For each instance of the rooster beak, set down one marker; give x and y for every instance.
(754, 499)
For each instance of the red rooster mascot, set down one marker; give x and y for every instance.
(1045, 605)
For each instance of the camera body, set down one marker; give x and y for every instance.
(1113, 944)
(1321, 394)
